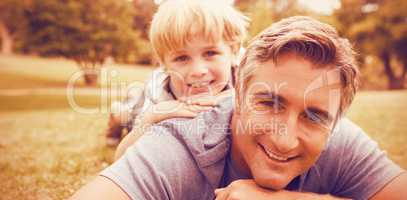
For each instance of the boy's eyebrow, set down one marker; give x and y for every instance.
(175, 53)
(211, 47)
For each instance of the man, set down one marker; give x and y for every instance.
(283, 137)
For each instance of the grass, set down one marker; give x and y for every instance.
(48, 154)
(382, 115)
(22, 72)
(48, 150)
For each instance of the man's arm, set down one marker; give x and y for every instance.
(248, 189)
(396, 189)
(100, 188)
(158, 166)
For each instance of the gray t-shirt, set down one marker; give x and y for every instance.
(189, 159)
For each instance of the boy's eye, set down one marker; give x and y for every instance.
(181, 58)
(210, 53)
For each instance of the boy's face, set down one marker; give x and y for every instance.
(199, 68)
(285, 119)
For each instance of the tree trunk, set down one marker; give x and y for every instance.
(6, 39)
(90, 74)
(394, 83)
(90, 78)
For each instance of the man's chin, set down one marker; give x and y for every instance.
(273, 183)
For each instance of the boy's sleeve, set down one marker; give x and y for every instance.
(158, 166)
(364, 169)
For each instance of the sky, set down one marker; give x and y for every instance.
(321, 6)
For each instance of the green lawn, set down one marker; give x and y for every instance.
(48, 150)
(383, 116)
(20, 72)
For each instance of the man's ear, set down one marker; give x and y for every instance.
(235, 48)
(237, 106)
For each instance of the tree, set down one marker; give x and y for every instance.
(264, 12)
(85, 31)
(378, 28)
(12, 21)
(144, 10)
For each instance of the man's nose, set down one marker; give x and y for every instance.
(285, 137)
(198, 69)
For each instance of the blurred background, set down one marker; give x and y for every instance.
(63, 62)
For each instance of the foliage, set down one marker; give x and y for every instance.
(264, 12)
(378, 28)
(85, 31)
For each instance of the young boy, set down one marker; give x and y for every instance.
(197, 43)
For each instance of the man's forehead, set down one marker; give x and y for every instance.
(294, 72)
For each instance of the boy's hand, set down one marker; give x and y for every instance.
(185, 107)
(208, 100)
(170, 109)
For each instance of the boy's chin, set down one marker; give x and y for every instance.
(199, 93)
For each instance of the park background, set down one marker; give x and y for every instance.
(49, 146)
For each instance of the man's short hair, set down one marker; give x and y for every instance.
(306, 37)
(178, 21)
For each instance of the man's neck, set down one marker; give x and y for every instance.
(237, 160)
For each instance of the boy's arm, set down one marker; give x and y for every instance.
(157, 113)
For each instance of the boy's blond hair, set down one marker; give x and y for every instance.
(178, 21)
(306, 37)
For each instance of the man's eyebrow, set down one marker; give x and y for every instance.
(270, 95)
(322, 112)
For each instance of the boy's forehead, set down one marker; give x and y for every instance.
(196, 42)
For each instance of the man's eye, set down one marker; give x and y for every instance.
(210, 53)
(271, 105)
(267, 103)
(182, 58)
(314, 118)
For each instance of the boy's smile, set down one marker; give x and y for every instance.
(200, 67)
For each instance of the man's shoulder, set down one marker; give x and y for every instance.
(352, 164)
(345, 133)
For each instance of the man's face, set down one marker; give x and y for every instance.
(285, 119)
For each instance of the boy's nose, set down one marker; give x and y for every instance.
(199, 69)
